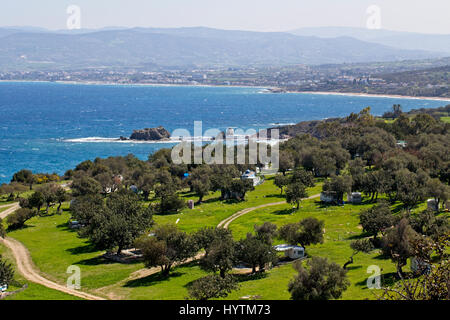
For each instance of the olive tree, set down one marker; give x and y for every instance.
(212, 287)
(221, 256)
(376, 219)
(115, 223)
(319, 280)
(295, 192)
(205, 237)
(255, 252)
(2, 229)
(6, 272)
(17, 219)
(306, 232)
(281, 181)
(167, 247)
(361, 245)
(397, 244)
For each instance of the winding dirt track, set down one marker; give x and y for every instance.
(29, 271)
(223, 224)
(8, 211)
(226, 222)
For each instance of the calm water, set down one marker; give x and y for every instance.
(36, 119)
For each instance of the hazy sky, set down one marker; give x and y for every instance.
(427, 16)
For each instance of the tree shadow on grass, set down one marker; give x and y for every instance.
(159, 277)
(231, 201)
(65, 227)
(167, 213)
(365, 201)
(88, 248)
(349, 268)
(26, 226)
(251, 276)
(362, 235)
(288, 211)
(211, 200)
(381, 256)
(387, 280)
(239, 278)
(399, 207)
(151, 279)
(277, 195)
(96, 261)
(323, 205)
(101, 260)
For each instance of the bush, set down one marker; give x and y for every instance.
(376, 219)
(2, 229)
(171, 203)
(168, 247)
(306, 232)
(17, 219)
(11, 197)
(24, 203)
(6, 272)
(212, 286)
(322, 280)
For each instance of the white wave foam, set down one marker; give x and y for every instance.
(283, 124)
(237, 138)
(112, 140)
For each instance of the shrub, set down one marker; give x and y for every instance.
(6, 272)
(17, 219)
(212, 286)
(321, 280)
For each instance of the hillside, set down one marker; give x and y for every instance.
(319, 128)
(396, 39)
(184, 47)
(428, 82)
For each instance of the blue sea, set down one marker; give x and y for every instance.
(41, 122)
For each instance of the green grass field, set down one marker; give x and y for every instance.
(445, 119)
(33, 291)
(212, 210)
(341, 227)
(54, 247)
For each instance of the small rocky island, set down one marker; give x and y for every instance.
(149, 134)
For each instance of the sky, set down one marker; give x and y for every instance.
(425, 16)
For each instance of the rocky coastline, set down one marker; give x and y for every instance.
(149, 134)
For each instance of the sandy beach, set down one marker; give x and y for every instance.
(370, 95)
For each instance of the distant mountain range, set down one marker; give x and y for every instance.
(24, 48)
(396, 39)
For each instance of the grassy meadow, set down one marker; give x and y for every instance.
(54, 247)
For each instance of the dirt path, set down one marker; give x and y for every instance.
(7, 205)
(139, 274)
(27, 268)
(30, 272)
(226, 222)
(7, 212)
(142, 273)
